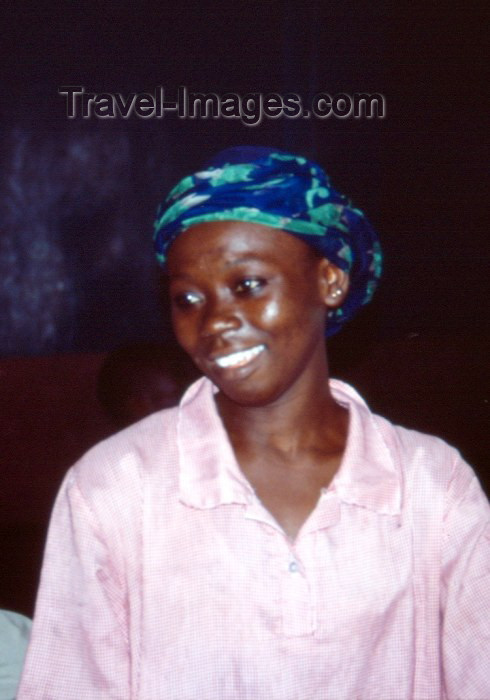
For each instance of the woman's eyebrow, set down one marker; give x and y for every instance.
(246, 258)
(172, 277)
(241, 259)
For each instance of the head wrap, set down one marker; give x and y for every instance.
(284, 191)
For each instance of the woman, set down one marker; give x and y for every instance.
(270, 538)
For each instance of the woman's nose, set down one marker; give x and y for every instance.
(220, 316)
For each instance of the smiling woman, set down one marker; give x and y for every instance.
(253, 542)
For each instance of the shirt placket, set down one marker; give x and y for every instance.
(298, 605)
(297, 608)
(298, 589)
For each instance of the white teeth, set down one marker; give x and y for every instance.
(239, 359)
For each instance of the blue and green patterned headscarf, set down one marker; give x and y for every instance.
(283, 191)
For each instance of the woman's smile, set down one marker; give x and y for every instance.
(239, 358)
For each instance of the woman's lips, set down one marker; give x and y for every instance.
(241, 358)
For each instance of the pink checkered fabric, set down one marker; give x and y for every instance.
(164, 578)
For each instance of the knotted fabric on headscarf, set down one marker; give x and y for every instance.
(283, 191)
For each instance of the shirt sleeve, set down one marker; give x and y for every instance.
(465, 593)
(79, 642)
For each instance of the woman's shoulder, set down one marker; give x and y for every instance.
(419, 458)
(427, 463)
(415, 444)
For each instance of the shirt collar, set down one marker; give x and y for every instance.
(368, 475)
(210, 475)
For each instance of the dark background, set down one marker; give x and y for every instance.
(78, 197)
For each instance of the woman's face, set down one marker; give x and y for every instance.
(248, 305)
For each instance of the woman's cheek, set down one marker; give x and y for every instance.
(271, 312)
(183, 329)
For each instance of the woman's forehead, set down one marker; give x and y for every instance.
(233, 242)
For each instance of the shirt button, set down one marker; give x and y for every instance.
(293, 567)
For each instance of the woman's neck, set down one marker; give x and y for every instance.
(288, 450)
(303, 421)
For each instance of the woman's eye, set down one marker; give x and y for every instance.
(249, 285)
(185, 300)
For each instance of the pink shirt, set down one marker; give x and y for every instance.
(164, 578)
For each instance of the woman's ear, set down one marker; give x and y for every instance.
(334, 283)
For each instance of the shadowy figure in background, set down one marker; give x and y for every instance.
(139, 379)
